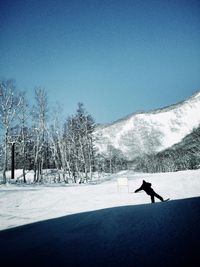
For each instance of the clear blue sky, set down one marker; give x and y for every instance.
(117, 57)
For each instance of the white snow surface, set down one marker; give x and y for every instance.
(23, 204)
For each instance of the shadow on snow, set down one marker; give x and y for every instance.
(160, 234)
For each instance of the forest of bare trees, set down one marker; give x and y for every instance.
(35, 137)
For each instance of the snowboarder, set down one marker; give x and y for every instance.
(147, 188)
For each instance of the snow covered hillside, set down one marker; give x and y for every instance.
(148, 235)
(149, 132)
(23, 204)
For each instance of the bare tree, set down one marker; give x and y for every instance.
(9, 103)
(23, 116)
(59, 146)
(72, 147)
(40, 129)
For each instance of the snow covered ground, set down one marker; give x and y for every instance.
(23, 204)
(102, 226)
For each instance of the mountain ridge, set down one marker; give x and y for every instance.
(152, 131)
(153, 111)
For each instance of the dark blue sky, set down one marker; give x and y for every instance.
(116, 57)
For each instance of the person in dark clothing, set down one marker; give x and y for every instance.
(147, 188)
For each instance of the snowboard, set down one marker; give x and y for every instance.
(166, 199)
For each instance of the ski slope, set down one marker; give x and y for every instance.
(24, 204)
(102, 225)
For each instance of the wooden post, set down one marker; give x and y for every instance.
(13, 162)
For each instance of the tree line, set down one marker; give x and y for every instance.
(42, 140)
(182, 156)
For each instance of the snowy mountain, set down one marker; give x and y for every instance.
(147, 132)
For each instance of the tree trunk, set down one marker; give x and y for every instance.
(5, 157)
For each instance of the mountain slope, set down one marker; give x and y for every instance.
(148, 132)
(184, 155)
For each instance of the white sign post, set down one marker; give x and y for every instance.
(122, 182)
